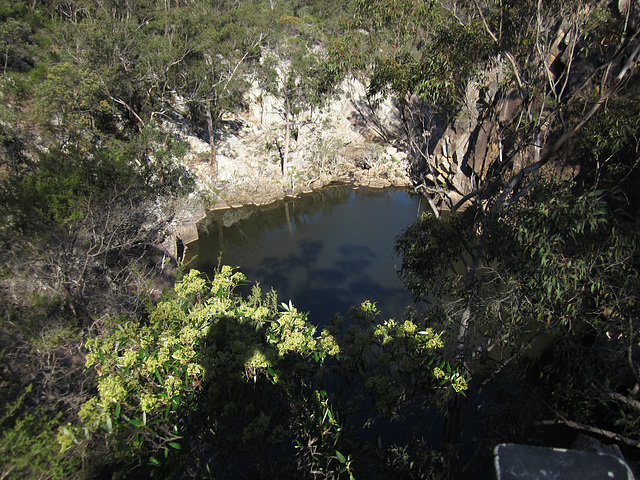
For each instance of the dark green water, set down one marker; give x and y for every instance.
(325, 251)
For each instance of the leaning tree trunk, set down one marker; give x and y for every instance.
(457, 410)
(212, 141)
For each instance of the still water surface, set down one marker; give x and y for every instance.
(325, 251)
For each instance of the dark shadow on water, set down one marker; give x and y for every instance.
(282, 271)
(326, 277)
(325, 252)
(358, 251)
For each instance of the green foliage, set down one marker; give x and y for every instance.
(415, 47)
(607, 149)
(431, 249)
(416, 461)
(561, 266)
(206, 342)
(574, 263)
(64, 185)
(399, 364)
(28, 447)
(18, 24)
(210, 378)
(69, 99)
(254, 368)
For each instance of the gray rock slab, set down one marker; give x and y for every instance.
(524, 462)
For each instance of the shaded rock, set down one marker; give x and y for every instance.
(524, 462)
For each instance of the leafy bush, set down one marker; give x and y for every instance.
(213, 375)
(28, 447)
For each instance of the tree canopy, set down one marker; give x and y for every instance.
(116, 362)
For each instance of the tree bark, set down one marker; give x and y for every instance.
(287, 135)
(595, 430)
(452, 435)
(212, 141)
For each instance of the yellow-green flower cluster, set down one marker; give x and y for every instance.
(409, 327)
(111, 389)
(225, 281)
(365, 313)
(291, 342)
(168, 311)
(253, 313)
(194, 370)
(91, 413)
(458, 383)
(431, 339)
(329, 344)
(459, 386)
(130, 358)
(151, 365)
(291, 332)
(91, 359)
(191, 284)
(65, 437)
(258, 359)
(172, 386)
(392, 329)
(190, 335)
(148, 402)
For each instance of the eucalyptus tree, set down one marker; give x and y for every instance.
(536, 261)
(17, 46)
(565, 66)
(296, 72)
(213, 82)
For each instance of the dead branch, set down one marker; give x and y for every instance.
(595, 430)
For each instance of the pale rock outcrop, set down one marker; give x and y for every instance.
(342, 141)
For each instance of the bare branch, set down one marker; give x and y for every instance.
(550, 154)
(422, 188)
(484, 22)
(598, 431)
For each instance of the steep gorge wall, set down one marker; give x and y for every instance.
(347, 140)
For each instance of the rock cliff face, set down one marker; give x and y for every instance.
(342, 141)
(366, 141)
(347, 140)
(453, 158)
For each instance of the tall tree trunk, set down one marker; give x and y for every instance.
(287, 135)
(457, 410)
(452, 435)
(212, 141)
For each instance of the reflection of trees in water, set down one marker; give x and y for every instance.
(252, 222)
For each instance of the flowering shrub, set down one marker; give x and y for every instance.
(249, 371)
(150, 375)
